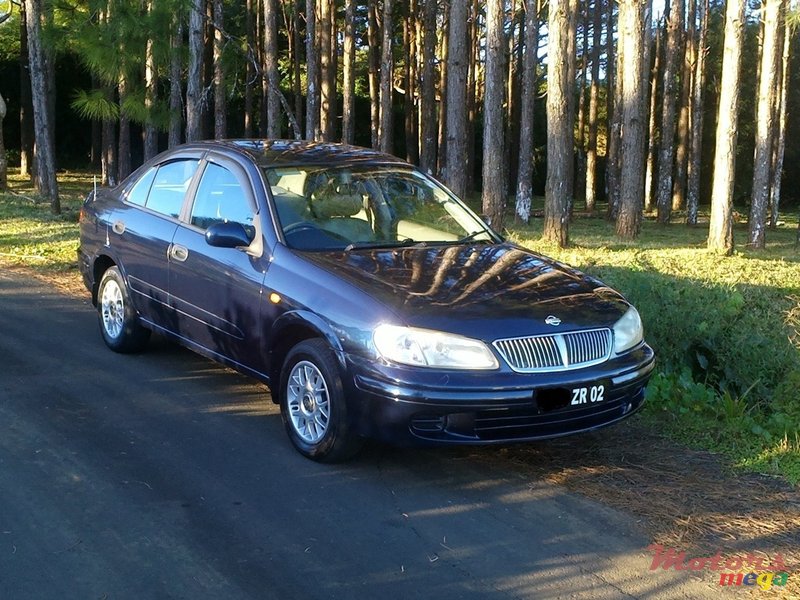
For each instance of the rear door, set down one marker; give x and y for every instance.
(216, 292)
(142, 229)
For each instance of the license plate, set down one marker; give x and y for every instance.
(591, 394)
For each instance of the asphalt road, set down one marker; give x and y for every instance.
(163, 475)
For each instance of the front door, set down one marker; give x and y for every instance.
(216, 292)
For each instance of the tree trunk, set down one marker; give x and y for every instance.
(46, 183)
(560, 125)
(572, 34)
(25, 101)
(220, 100)
(652, 141)
(580, 176)
(720, 235)
(614, 112)
(634, 90)
(194, 82)
(666, 151)
(373, 59)
(695, 154)
(428, 121)
(590, 193)
(410, 76)
(443, 75)
(124, 163)
(473, 100)
(150, 97)
(175, 91)
(385, 131)
(458, 62)
(3, 159)
(494, 185)
(326, 93)
(271, 69)
(298, 69)
(684, 115)
(765, 122)
(349, 80)
(312, 71)
(250, 68)
(780, 141)
(525, 169)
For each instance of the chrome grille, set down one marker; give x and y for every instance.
(556, 352)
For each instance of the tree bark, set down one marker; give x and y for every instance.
(25, 101)
(580, 176)
(458, 62)
(720, 235)
(373, 58)
(150, 97)
(298, 69)
(349, 80)
(494, 185)
(443, 75)
(695, 154)
(194, 83)
(572, 35)
(765, 122)
(524, 195)
(3, 159)
(271, 69)
(560, 124)
(634, 90)
(652, 141)
(428, 120)
(684, 114)
(326, 92)
(250, 68)
(780, 140)
(124, 163)
(45, 181)
(410, 76)
(220, 99)
(590, 193)
(666, 151)
(385, 131)
(614, 120)
(312, 72)
(175, 87)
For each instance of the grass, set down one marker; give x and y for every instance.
(726, 329)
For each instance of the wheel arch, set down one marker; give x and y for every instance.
(101, 264)
(289, 330)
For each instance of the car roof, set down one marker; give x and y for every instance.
(274, 153)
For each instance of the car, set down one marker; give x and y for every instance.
(370, 299)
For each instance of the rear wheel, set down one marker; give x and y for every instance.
(119, 324)
(313, 405)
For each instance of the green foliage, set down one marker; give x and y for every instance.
(94, 105)
(9, 37)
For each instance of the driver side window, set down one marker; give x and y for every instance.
(221, 198)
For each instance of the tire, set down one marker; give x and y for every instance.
(313, 404)
(119, 324)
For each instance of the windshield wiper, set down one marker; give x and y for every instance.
(472, 236)
(383, 244)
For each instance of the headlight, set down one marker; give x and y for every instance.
(426, 348)
(628, 331)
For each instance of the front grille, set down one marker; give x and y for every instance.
(556, 352)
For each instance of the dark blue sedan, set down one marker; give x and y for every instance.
(368, 297)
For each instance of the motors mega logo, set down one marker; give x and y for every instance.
(749, 570)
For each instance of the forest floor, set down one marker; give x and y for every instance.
(701, 480)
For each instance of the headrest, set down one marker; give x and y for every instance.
(332, 204)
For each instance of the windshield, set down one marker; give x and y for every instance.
(341, 208)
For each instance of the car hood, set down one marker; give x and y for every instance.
(481, 291)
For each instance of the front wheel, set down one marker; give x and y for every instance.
(119, 324)
(313, 405)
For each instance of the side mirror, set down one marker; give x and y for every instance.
(228, 235)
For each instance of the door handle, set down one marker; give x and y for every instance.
(118, 227)
(178, 253)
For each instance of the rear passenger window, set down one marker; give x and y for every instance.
(138, 193)
(170, 185)
(220, 198)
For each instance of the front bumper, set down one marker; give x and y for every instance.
(405, 405)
